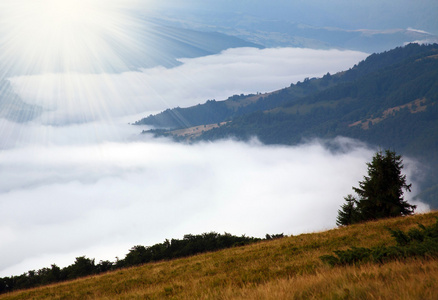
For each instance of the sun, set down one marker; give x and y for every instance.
(52, 36)
(44, 17)
(60, 12)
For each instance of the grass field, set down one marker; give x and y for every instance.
(287, 268)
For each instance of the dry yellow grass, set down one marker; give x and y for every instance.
(195, 131)
(414, 107)
(287, 268)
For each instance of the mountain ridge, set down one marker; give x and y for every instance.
(179, 117)
(367, 27)
(401, 81)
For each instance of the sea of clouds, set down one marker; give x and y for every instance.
(79, 180)
(78, 97)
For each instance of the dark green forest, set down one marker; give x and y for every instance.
(389, 100)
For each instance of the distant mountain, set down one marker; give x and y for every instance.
(291, 34)
(349, 15)
(388, 100)
(12, 106)
(150, 45)
(366, 26)
(155, 45)
(164, 45)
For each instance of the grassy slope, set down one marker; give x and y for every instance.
(287, 268)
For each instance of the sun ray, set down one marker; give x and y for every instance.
(60, 40)
(50, 36)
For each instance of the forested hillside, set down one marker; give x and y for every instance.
(388, 100)
(217, 111)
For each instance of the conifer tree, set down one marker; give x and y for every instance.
(348, 214)
(380, 193)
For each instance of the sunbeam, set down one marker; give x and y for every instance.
(50, 36)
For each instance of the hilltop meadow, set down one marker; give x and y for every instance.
(285, 268)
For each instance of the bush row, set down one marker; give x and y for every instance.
(417, 242)
(83, 266)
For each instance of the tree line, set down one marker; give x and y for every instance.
(137, 255)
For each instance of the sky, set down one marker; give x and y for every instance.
(79, 180)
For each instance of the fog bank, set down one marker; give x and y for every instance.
(63, 201)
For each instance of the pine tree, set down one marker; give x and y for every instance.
(380, 193)
(348, 214)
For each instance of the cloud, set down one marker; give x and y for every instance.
(81, 181)
(75, 97)
(100, 199)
